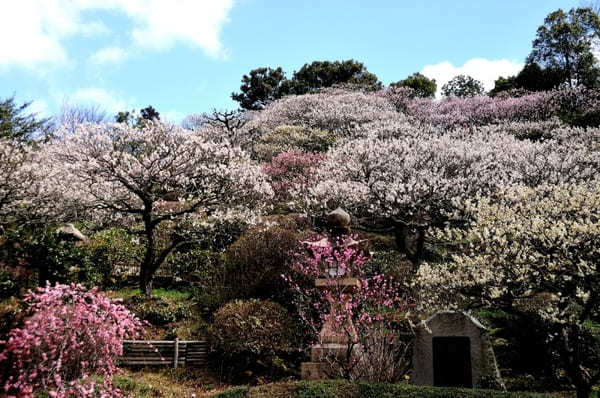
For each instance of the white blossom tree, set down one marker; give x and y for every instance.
(23, 195)
(534, 252)
(154, 174)
(413, 179)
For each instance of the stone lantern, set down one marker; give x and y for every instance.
(332, 340)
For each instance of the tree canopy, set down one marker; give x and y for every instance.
(422, 85)
(565, 42)
(462, 86)
(259, 87)
(264, 85)
(15, 123)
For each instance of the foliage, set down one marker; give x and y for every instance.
(338, 388)
(531, 78)
(11, 310)
(56, 258)
(135, 170)
(159, 310)
(145, 116)
(287, 138)
(322, 74)
(421, 85)
(71, 334)
(260, 327)
(462, 86)
(18, 126)
(252, 338)
(564, 42)
(113, 252)
(293, 170)
(532, 251)
(265, 85)
(262, 86)
(256, 261)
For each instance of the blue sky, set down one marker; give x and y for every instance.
(187, 56)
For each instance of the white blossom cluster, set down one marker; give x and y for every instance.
(421, 173)
(116, 170)
(536, 248)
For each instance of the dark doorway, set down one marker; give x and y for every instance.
(452, 362)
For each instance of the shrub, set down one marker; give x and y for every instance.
(159, 311)
(71, 334)
(287, 138)
(249, 337)
(55, 258)
(113, 251)
(256, 261)
(258, 326)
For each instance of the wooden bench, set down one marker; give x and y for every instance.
(164, 352)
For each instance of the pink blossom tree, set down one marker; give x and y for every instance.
(295, 169)
(370, 319)
(70, 335)
(154, 174)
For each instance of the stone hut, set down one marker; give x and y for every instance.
(453, 349)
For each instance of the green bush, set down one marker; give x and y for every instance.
(54, 257)
(260, 327)
(159, 311)
(250, 339)
(8, 285)
(286, 138)
(112, 251)
(255, 262)
(336, 389)
(10, 312)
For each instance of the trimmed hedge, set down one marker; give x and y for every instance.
(345, 389)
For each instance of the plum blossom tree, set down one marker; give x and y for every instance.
(369, 321)
(154, 174)
(534, 252)
(23, 195)
(291, 171)
(343, 113)
(413, 180)
(71, 334)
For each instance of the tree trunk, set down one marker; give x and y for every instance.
(146, 268)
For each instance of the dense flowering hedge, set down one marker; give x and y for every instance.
(71, 335)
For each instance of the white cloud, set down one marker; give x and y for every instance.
(484, 70)
(159, 24)
(173, 116)
(34, 31)
(109, 101)
(109, 55)
(40, 108)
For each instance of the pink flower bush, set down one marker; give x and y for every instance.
(72, 334)
(292, 170)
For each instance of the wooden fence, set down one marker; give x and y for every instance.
(164, 352)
